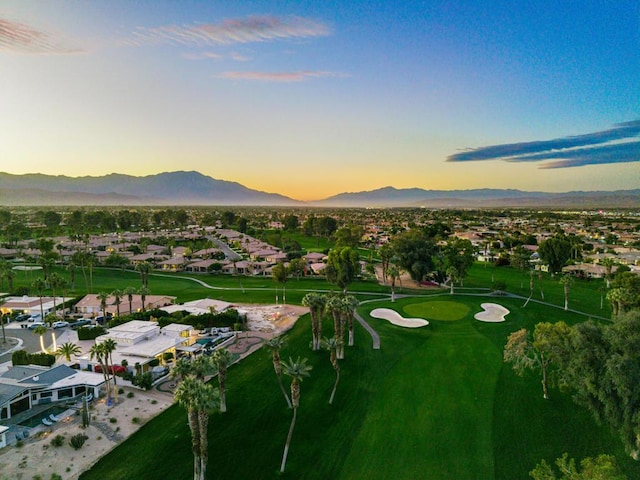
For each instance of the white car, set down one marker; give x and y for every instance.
(60, 324)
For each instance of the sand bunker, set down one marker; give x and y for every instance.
(397, 319)
(492, 313)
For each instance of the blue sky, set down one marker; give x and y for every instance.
(311, 99)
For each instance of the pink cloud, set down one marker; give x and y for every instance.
(277, 76)
(18, 37)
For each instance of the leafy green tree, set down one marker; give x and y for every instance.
(459, 254)
(414, 252)
(290, 222)
(343, 266)
(555, 251)
(297, 370)
(602, 467)
(547, 346)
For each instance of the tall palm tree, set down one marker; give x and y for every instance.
(350, 305)
(130, 292)
(71, 266)
(566, 282)
(144, 291)
(222, 358)
(275, 344)
(90, 261)
(4, 335)
(103, 297)
(316, 303)
(297, 370)
(108, 347)
(608, 264)
(68, 349)
(117, 300)
(39, 284)
(55, 281)
(144, 268)
(333, 345)
(393, 274)
(199, 399)
(97, 352)
(41, 330)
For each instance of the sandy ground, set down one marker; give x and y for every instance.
(492, 313)
(395, 318)
(111, 425)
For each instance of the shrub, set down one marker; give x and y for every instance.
(57, 441)
(154, 363)
(144, 381)
(21, 357)
(85, 333)
(130, 395)
(120, 391)
(113, 420)
(77, 441)
(135, 420)
(55, 476)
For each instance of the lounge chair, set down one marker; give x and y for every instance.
(53, 418)
(18, 435)
(47, 422)
(89, 398)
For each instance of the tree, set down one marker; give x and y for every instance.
(97, 352)
(143, 292)
(144, 268)
(350, 305)
(452, 275)
(566, 280)
(39, 285)
(608, 263)
(316, 304)
(521, 260)
(222, 358)
(117, 300)
(333, 345)
(275, 344)
(459, 254)
(555, 251)
(290, 222)
(103, 297)
(130, 292)
(40, 330)
(343, 266)
(334, 307)
(385, 252)
(393, 273)
(413, 252)
(108, 347)
(199, 399)
(279, 273)
(297, 370)
(602, 467)
(548, 346)
(67, 350)
(4, 334)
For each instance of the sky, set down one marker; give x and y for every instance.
(314, 98)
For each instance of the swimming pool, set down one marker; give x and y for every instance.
(37, 419)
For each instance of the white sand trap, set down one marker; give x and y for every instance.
(397, 319)
(492, 313)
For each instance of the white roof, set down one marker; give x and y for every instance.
(152, 347)
(81, 378)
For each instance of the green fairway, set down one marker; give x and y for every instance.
(435, 402)
(437, 310)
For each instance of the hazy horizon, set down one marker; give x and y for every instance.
(310, 100)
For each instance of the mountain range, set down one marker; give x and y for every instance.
(194, 188)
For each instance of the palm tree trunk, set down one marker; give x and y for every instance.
(222, 380)
(289, 435)
(194, 425)
(351, 333)
(284, 391)
(203, 423)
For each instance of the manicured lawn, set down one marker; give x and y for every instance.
(435, 402)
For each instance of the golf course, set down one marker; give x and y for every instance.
(434, 402)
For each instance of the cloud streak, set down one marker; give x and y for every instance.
(20, 38)
(282, 77)
(234, 31)
(615, 145)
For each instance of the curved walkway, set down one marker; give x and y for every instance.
(374, 335)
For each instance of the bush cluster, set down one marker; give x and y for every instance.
(21, 357)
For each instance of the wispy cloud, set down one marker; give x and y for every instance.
(616, 145)
(233, 31)
(20, 38)
(277, 76)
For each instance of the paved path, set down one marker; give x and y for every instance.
(374, 335)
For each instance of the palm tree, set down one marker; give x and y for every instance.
(103, 297)
(222, 358)
(608, 264)
(275, 344)
(144, 268)
(117, 300)
(144, 291)
(55, 281)
(566, 282)
(4, 335)
(97, 352)
(199, 399)
(297, 370)
(130, 292)
(68, 349)
(39, 284)
(90, 261)
(393, 273)
(316, 304)
(333, 345)
(280, 273)
(108, 347)
(41, 330)
(350, 305)
(71, 266)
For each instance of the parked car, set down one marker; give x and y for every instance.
(36, 317)
(23, 317)
(100, 320)
(35, 325)
(80, 323)
(60, 324)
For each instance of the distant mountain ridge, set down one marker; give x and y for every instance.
(194, 188)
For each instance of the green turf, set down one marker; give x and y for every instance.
(435, 402)
(438, 310)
